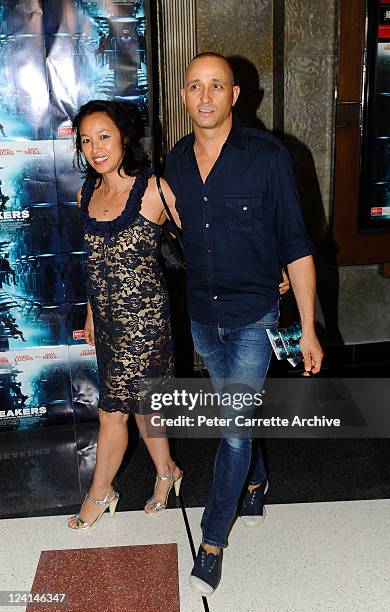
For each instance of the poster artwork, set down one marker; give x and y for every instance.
(54, 56)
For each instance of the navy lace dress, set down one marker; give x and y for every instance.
(129, 302)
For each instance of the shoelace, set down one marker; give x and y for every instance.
(252, 497)
(203, 562)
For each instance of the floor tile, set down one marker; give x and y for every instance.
(110, 579)
(330, 557)
(26, 538)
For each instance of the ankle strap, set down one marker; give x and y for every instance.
(99, 501)
(170, 477)
(165, 477)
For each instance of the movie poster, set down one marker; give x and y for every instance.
(35, 388)
(31, 266)
(95, 50)
(54, 56)
(84, 379)
(25, 99)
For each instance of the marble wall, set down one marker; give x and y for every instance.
(242, 30)
(289, 48)
(309, 75)
(310, 61)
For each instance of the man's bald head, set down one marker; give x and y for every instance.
(209, 93)
(210, 55)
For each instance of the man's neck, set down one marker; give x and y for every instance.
(209, 142)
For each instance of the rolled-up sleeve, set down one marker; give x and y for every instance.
(292, 238)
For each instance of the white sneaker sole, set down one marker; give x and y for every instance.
(201, 586)
(256, 520)
(253, 521)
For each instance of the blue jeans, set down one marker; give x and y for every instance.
(239, 354)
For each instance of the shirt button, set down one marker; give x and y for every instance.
(209, 250)
(244, 208)
(205, 198)
(207, 225)
(215, 297)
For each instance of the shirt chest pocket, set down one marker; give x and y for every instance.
(244, 213)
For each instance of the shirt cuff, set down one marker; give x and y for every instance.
(295, 249)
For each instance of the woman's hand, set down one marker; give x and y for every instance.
(284, 286)
(89, 332)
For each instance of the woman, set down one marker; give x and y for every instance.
(128, 310)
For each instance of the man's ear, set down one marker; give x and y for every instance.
(236, 93)
(183, 96)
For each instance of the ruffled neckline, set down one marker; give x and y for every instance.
(128, 214)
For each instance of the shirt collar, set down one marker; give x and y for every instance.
(236, 138)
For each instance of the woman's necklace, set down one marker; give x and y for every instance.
(107, 210)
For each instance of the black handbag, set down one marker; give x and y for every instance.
(171, 252)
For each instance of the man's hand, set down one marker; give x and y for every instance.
(312, 353)
(284, 286)
(303, 280)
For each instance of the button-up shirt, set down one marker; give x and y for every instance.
(240, 226)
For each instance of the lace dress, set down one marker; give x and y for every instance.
(129, 302)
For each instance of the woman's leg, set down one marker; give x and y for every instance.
(159, 451)
(111, 446)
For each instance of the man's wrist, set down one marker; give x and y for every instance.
(308, 327)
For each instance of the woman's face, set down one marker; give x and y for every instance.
(101, 142)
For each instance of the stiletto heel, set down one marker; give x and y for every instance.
(112, 505)
(159, 506)
(177, 484)
(83, 525)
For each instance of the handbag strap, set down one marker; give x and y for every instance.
(164, 201)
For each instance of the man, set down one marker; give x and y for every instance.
(241, 222)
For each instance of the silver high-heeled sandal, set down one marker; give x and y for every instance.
(158, 506)
(80, 524)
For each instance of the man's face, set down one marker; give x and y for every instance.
(209, 93)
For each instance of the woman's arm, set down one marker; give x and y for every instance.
(88, 326)
(170, 200)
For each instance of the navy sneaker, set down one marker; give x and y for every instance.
(207, 571)
(252, 511)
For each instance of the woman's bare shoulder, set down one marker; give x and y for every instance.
(155, 193)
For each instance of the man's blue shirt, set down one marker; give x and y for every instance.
(239, 227)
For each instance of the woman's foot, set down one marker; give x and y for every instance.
(89, 511)
(173, 474)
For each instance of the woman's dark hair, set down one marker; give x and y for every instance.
(125, 118)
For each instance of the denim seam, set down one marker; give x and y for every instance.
(210, 542)
(265, 323)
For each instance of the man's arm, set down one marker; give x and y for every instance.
(303, 280)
